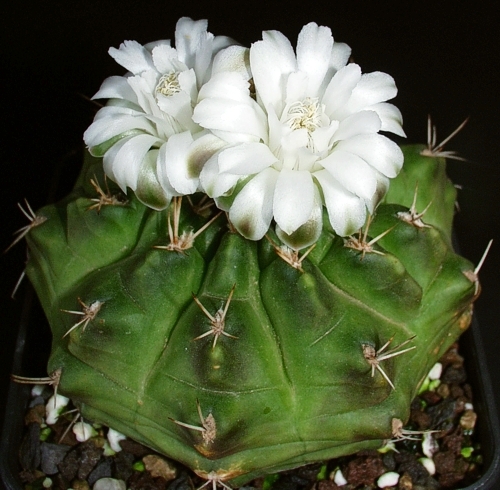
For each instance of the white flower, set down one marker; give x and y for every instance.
(304, 134)
(146, 132)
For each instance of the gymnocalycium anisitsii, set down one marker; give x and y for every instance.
(248, 275)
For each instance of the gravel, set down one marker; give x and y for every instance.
(61, 462)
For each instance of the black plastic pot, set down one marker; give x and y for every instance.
(30, 357)
(32, 351)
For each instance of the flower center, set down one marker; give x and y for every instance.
(305, 114)
(169, 84)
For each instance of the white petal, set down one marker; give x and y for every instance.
(340, 56)
(291, 141)
(222, 42)
(165, 126)
(234, 59)
(223, 203)
(322, 137)
(188, 34)
(108, 162)
(390, 115)
(252, 209)
(205, 145)
(179, 107)
(246, 159)
(347, 212)
(187, 83)
(276, 129)
(314, 49)
(352, 172)
(132, 56)
(144, 87)
(153, 44)
(149, 189)
(271, 60)
(308, 233)
(173, 163)
(112, 125)
(293, 199)
(114, 107)
(340, 88)
(296, 89)
(194, 46)
(185, 172)
(125, 159)
(124, 103)
(203, 59)
(165, 59)
(371, 89)
(338, 59)
(381, 190)
(227, 115)
(379, 151)
(306, 160)
(233, 138)
(215, 183)
(115, 87)
(226, 85)
(225, 105)
(363, 122)
(161, 165)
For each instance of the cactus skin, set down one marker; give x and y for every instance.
(294, 386)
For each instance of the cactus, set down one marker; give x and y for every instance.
(229, 358)
(235, 354)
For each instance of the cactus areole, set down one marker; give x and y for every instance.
(251, 279)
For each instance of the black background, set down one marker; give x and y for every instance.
(443, 55)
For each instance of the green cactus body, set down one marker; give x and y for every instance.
(287, 377)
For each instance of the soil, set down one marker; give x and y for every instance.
(51, 456)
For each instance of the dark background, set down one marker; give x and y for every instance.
(443, 55)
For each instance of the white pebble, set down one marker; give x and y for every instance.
(469, 406)
(389, 479)
(37, 390)
(429, 444)
(436, 371)
(47, 483)
(339, 478)
(54, 407)
(429, 465)
(109, 484)
(114, 438)
(83, 431)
